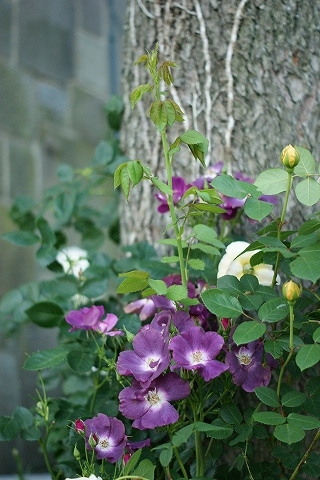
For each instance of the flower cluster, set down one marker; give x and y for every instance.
(231, 205)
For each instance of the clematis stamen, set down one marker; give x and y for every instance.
(197, 356)
(152, 397)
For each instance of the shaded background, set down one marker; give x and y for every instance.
(60, 61)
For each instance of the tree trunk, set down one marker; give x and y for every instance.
(248, 79)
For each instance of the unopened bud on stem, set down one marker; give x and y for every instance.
(290, 157)
(291, 291)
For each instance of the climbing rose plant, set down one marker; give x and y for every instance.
(199, 353)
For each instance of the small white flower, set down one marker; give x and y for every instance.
(230, 265)
(73, 260)
(92, 477)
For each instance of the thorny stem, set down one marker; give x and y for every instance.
(172, 211)
(306, 455)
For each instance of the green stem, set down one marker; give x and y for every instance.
(43, 445)
(290, 346)
(172, 211)
(306, 455)
(183, 470)
(284, 209)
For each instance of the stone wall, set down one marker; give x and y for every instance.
(60, 61)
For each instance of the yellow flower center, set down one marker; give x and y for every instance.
(152, 397)
(245, 359)
(197, 356)
(104, 443)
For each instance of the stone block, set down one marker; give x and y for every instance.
(5, 27)
(88, 116)
(46, 37)
(91, 54)
(17, 102)
(53, 102)
(22, 169)
(92, 15)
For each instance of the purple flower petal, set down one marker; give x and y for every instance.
(149, 407)
(110, 435)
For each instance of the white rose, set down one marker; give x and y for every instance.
(73, 260)
(230, 265)
(92, 477)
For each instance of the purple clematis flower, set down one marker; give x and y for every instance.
(196, 349)
(179, 188)
(109, 435)
(90, 319)
(149, 407)
(149, 358)
(245, 365)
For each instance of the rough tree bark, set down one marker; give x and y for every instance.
(248, 79)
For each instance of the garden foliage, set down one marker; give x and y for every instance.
(201, 364)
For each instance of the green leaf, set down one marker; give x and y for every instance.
(273, 347)
(231, 284)
(219, 432)
(257, 209)
(46, 358)
(132, 284)
(249, 283)
(182, 435)
(306, 165)
(31, 434)
(9, 428)
(163, 187)
(228, 185)
(274, 310)
(267, 396)
(81, 362)
(135, 171)
(47, 234)
(307, 356)
(301, 241)
(288, 433)
(272, 181)
(231, 414)
(205, 248)
(138, 92)
(23, 416)
(158, 115)
(192, 137)
(293, 399)
(309, 226)
(132, 462)
(158, 286)
(196, 264)
(46, 314)
(103, 154)
(303, 421)
(248, 331)
(308, 192)
(307, 264)
(145, 469)
(166, 455)
(21, 239)
(269, 418)
(94, 287)
(221, 303)
(170, 111)
(176, 293)
(206, 234)
(316, 335)
(172, 259)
